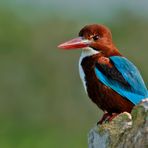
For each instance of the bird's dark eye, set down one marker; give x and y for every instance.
(96, 37)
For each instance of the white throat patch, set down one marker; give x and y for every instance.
(88, 51)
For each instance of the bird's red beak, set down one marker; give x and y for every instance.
(75, 43)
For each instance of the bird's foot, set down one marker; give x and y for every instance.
(112, 116)
(107, 118)
(104, 117)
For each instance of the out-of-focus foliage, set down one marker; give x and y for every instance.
(42, 101)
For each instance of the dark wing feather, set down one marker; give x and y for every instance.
(112, 73)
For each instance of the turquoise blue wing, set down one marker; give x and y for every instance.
(136, 90)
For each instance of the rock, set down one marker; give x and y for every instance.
(124, 131)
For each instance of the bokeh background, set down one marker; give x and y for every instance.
(42, 101)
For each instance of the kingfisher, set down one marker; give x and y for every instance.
(111, 81)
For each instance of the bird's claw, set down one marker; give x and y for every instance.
(107, 118)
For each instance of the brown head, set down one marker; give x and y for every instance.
(95, 36)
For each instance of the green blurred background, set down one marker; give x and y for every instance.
(42, 101)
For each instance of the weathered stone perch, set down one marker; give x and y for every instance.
(122, 131)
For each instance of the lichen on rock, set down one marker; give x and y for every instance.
(124, 131)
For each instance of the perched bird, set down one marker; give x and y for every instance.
(111, 81)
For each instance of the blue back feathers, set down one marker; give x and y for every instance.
(137, 90)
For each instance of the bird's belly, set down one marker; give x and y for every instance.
(106, 98)
(92, 87)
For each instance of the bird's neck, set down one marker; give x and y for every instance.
(113, 52)
(110, 50)
(88, 52)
